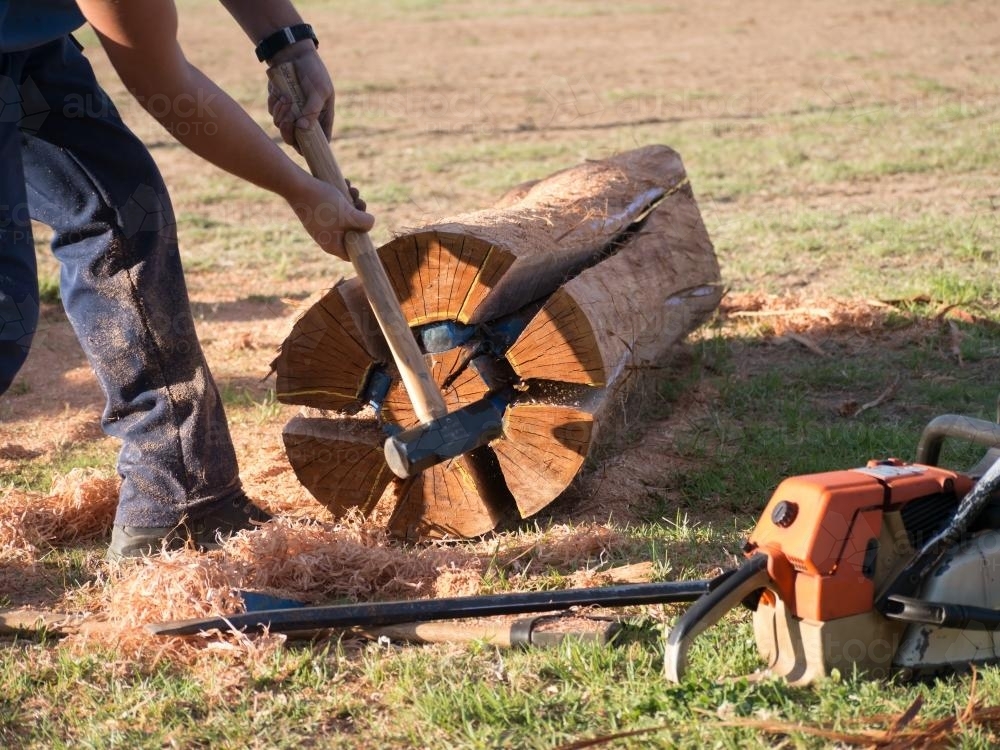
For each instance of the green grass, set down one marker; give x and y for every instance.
(379, 696)
(853, 196)
(37, 475)
(48, 290)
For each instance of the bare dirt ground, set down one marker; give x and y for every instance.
(441, 109)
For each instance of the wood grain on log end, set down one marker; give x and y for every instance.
(543, 448)
(324, 361)
(559, 344)
(441, 275)
(460, 385)
(462, 498)
(339, 461)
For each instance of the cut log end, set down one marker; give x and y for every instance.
(542, 450)
(325, 361)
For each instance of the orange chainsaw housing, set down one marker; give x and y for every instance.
(820, 532)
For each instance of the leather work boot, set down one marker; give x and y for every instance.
(205, 532)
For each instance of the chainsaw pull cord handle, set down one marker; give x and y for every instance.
(711, 608)
(912, 576)
(428, 403)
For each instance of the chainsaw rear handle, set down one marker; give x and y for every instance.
(908, 581)
(428, 403)
(969, 429)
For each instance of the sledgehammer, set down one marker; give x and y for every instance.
(440, 435)
(428, 403)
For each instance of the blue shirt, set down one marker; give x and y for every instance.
(28, 23)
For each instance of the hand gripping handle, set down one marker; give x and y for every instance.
(424, 394)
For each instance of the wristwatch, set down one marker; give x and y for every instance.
(272, 44)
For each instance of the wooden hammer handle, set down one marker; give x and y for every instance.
(428, 403)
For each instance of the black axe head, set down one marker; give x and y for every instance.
(412, 451)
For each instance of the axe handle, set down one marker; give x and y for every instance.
(14, 621)
(428, 403)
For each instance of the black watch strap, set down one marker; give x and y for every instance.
(272, 44)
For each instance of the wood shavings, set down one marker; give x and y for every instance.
(81, 505)
(791, 314)
(349, 559)
(563, 546)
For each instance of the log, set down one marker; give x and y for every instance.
(338, 459)
(593, 326)
(543, 448)
(565, 295)
(478, 266)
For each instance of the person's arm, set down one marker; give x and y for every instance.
(140, 38)
(261, 18)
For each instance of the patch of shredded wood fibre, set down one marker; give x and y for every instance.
(348, 559)
(80, 506)
(793, 314)
(315, 563)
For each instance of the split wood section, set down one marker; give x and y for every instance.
(567, 294)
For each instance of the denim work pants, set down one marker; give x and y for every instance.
(68, 161)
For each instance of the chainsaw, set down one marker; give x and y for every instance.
(890, 568)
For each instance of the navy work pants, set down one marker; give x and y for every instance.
(68, 161)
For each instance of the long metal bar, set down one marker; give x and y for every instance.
(424, 610)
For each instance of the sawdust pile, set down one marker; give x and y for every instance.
(790, 314)
(178, 585)
(80, 506)
(350, 559)
(314, 562)
(563, 548)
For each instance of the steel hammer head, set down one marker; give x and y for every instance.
(410, 452)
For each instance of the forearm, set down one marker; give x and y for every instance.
(140, 37)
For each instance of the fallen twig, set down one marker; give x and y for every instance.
(886, 395)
